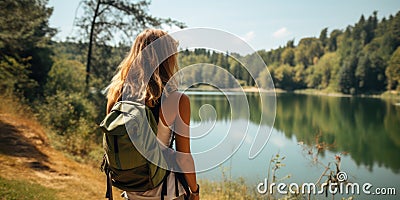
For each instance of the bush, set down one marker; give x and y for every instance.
(67, 110)
(67, 76)
(71, 117)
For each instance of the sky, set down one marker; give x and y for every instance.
(262, 24)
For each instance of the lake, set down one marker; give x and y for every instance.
(363, 132)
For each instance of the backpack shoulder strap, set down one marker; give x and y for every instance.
(106, 170)
(181, 178)
(109, 194)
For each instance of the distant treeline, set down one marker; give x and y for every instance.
(363, 58)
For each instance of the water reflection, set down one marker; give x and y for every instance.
(368, 129)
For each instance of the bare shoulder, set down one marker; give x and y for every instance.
(184, 99)
(178, 97)
(176, 103)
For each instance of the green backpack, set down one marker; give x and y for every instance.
(126, 168)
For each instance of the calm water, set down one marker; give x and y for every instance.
(364, 132)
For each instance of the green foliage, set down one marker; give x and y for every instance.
(323, 37)
(308, 51)
(67, 76)
(264, 79)
(66, 110)
(393, 71)
(333, 40)
(69, 51)
(13, 189)
(288, 57)
(24, 41)
(203, 68)
(118, 16)
(324, 73)
(103, 19)
(283, 77)
(14, 77)
(71, 116)
(353, 61)
(105, 61)
(370, 73)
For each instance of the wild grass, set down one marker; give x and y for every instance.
(21, 190)
(227, 189)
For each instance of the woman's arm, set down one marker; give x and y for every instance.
(182, 122)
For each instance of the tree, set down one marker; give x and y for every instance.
(222, 61)
(234, 67)
(299, 77)
(358, 28)
(104, 19)
(288, 56)
(364, 73)
(264, 79)
(67, 76)
(25, 42)
(323, 37)
(283, 77)
(332, 41)
(290, 44)
(393, 71)
(347, 79)
(308, 50)
(14, 76)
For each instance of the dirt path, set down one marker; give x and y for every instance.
(25, 154)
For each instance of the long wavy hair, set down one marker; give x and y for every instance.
(143, 73)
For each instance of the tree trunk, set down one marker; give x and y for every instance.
(89, 56)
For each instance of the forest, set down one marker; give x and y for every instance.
(361, 59)
(52, 78)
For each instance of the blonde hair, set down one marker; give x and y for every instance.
(151, 62)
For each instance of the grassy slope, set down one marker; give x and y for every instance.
(31, 169)
(21, 190)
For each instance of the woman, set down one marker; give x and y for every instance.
(153, 60)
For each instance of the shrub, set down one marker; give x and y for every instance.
(71, 117)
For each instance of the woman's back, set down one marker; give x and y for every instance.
(142, 76)
(164, 134)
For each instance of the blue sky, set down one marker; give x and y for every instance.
(263, 24)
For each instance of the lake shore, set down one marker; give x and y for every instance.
(244, 89)
(385, 95)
